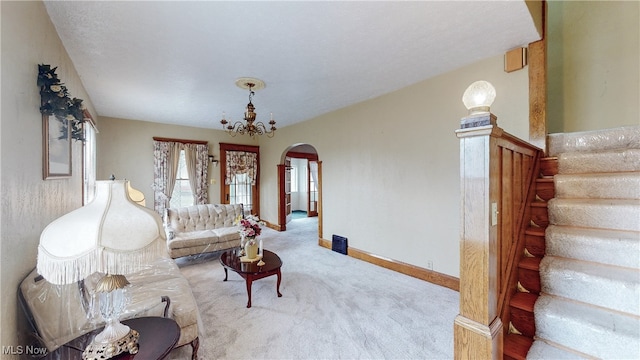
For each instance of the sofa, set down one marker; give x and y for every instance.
(60, 313)
(198, 229)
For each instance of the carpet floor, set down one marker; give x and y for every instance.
(333, 307)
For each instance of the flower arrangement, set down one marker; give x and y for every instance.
(249, 230)
(55, 100)
(250, 227)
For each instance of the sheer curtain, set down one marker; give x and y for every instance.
(313, 169)
(166, 155)
(197, 157)
(89, 157)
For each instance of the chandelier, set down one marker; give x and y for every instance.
(251, 127)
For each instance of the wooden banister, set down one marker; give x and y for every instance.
(497, 171)
(520, 179)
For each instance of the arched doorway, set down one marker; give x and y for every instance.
(312, 188)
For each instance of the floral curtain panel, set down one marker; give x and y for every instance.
(240, 162)
(166, 156)
(197, 156)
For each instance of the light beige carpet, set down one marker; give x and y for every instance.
(333, 307)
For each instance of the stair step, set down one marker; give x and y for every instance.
(599, 162)
(516, 347)
(549, 166)
(588, 329)
(545, 188)
(540, 213)
(530, 263)
(528, 274)
(605, 139)
(524, 301)
(535, 241)
(544, 351)
(535, 231)
(521, 310)
(596, 213)
(619, 185)
(592, 283)
(613, 247)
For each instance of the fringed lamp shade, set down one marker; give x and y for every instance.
(111, 235)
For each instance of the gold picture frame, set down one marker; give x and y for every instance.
(56, 146)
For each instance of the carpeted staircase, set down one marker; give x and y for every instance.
(589, 303)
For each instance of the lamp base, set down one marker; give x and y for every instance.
(107, 350)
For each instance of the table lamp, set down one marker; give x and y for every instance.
(111, 235)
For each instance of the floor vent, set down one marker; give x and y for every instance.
(339, 244)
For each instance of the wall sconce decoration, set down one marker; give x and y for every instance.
(250, 127)
(55, 101)
(213, 160)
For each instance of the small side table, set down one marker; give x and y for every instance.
(158, 336)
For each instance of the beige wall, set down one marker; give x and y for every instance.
(125, 149)
(28, 202)
(593, 71)
(391, 164)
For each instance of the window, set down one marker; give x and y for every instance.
(240, 169)
(240, 191)
(182, 194)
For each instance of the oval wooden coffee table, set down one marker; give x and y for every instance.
(250, 271)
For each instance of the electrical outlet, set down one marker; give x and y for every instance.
(429, 265)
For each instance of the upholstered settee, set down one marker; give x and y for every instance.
(203, 228)
(58, 314)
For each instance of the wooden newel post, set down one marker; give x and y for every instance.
(477, 328)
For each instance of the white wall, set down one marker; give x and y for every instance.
(29, 203)
(390, 165)
(593, 65)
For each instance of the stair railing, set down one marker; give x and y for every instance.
(497, 171)
(521, 159)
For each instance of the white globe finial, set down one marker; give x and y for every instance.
(479, 96)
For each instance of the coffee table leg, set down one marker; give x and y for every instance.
(249, 282)
(225, 274)
(278, 283)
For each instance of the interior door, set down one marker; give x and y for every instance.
(312, 188)
(287, 189)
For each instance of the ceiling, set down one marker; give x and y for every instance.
(177, 62)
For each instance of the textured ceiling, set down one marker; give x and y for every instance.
(176, 62)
